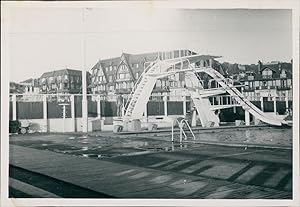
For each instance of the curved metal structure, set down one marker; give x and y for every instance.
(142, 89)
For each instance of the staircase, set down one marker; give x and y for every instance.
(140, 93)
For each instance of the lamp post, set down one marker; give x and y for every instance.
(84, 89)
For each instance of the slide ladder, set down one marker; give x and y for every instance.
(239, 97)
(140, 93)
(143, 87)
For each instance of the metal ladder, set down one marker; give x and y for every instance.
(182, 133)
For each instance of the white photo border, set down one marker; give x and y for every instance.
(201, 4)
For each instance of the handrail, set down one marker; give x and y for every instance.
(185, 121)
(181, 125)
(179, 128)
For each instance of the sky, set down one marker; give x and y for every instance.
(46, 39)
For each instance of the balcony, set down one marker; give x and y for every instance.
(283, 88)
(265, 87)
(123, 91)
(161, 89)
(249, 89)
(100, 92)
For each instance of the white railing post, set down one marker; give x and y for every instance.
(14, 107)
(98, 108)
(146, 112)
(286, 101)
(72, 99)
(172, 130)
(274, 102)
(184, 106)
(262, 103)
(247, 117)
(165, 105)
(45, 113)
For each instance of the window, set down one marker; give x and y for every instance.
(136, 75)
(269, 83)
(110, 78)
(110, 68)
(283, 74)
(66, 76)
(111, 88)
(121, 75)
(158, 83)
(251, 77)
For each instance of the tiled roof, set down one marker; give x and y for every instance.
(61, 72)
(131, 59)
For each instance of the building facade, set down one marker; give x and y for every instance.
(270, 80)
(117, 76)
(61, 81)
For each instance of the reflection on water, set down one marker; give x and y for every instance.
(277, 136)
(105, 147)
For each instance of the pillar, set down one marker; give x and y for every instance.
(165, 105)
(194, 118)
(286, 100)
(14, 107)
(210, 62)
(262, 103)
(72, 100)
(275, 107)
(146, 111)
(247, 117)
(184, 106)
(45, 113)
(98, 108)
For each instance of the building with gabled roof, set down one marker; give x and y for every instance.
(270, 80)
(61, 81)
(118, 75)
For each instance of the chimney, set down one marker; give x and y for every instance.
(259, 67)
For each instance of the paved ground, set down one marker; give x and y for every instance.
(137, 167)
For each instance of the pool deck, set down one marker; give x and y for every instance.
(187, 174)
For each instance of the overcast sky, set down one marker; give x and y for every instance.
(45, 39)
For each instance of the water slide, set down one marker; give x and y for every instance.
(239, 97)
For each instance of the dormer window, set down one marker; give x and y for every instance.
(251, 77)
(283, 74)
(267, 73)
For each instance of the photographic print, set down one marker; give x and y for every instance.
(108, 101)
